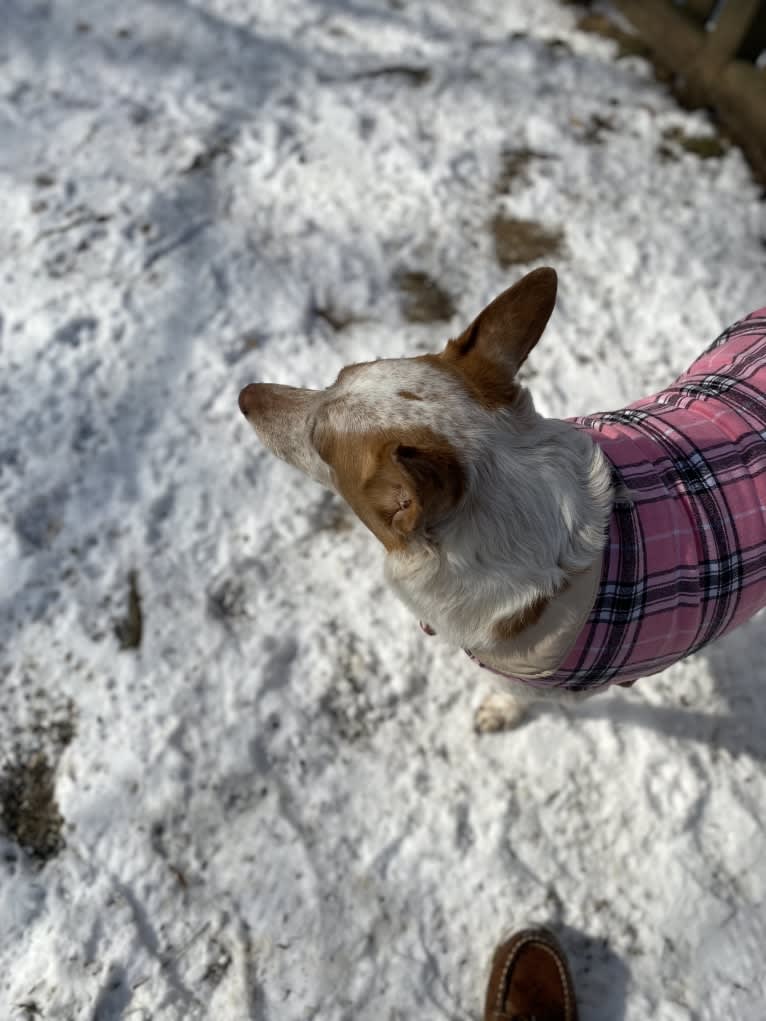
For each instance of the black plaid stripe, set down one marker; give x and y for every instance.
(712, 385)
(694, 472)
(625, 416)
(618, 604)
(721, 573)
(748, 399)
(723, 460)
(743, 326)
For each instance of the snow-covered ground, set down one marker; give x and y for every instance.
(270, 804)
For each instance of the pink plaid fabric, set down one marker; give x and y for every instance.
(686, 557)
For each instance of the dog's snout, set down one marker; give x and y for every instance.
(248, 398)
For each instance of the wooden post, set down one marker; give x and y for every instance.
(706, 71)
(730, 28)
(739, 98)
(721, 45)
(699, 9)
(754, 43)
(672, 37)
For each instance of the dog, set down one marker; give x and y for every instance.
(563, 556)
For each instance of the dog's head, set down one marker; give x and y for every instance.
(397, 437)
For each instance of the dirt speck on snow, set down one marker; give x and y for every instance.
(129, 629)
(28, 810)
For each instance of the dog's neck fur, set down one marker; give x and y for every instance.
(538, 498)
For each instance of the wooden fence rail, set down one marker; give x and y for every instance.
(716, 65)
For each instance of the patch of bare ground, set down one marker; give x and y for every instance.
(518, 242)
(514, 164)
(29, 812)
(705, 147)
(423, 300)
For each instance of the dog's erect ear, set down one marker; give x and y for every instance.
(510, 326)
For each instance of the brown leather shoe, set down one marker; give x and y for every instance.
(530, 980)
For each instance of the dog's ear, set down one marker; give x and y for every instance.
(396, 500)
(510, 326)
(415, 486)
(431, 481)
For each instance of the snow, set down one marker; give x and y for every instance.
(275, 807)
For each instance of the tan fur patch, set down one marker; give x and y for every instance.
(484, 380)
(408, 395)
(511, 627)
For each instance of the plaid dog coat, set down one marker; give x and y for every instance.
(685, 560)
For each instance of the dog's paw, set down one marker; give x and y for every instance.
(499, 711)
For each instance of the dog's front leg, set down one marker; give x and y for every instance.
(505, 708)
(500, 710)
